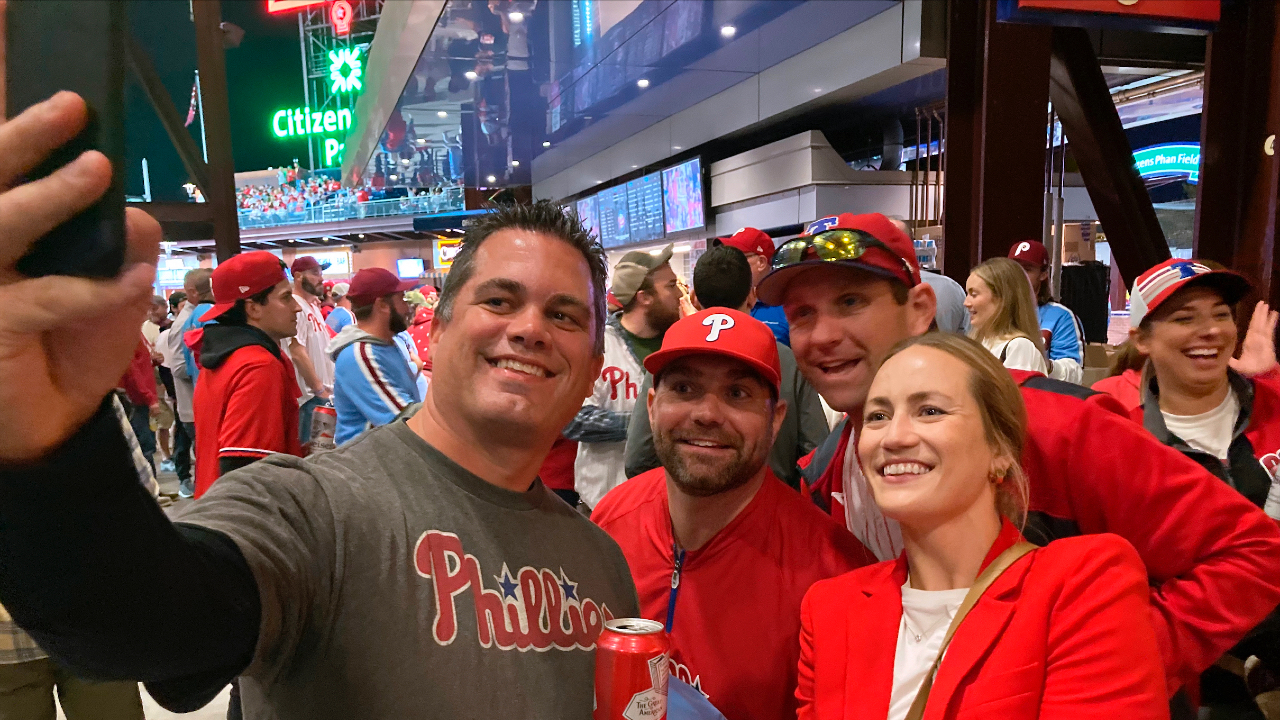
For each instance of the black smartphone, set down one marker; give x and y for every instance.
(76, 45)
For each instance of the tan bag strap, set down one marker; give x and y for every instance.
(980, 585)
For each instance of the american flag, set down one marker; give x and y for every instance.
(191, 111)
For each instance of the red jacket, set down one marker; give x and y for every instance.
(420, 331)
(1062, 634)
(737, 610)
(139, 380)
(1122, 387)
(246, 400)
(557, 470)
(1092, 470)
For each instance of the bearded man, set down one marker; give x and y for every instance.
(720, 550)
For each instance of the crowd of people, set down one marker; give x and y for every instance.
(977, 535)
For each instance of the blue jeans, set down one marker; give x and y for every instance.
(186, 481)
(305, 412)
(140, 421)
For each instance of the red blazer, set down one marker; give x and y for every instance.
(1092, 470)
(1065, 632)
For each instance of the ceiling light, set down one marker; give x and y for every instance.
(676, 147)
(633, 167)
(442, 114)
(361, 236)
(817, 90)
(728, 31)
(515, 163)
(404, 161)
(515, 17)
(422, 141)
(642, 83)
(470, 75)
(546, 143)
(393, 177)
(491, 178)
(681, 248)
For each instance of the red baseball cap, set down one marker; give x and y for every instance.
(372, 283)
(720, 331)
(1031, 251)
(241, 277)
(750, 240)
(1159, 283)
(897, 259)
(305, 263)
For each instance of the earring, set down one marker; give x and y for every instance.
(997, 477)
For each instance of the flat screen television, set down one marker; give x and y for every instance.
(644, 205)
(615, 223)
(589, 215)
(682, 196)
(410, 268)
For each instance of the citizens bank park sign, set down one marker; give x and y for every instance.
(1168, 161)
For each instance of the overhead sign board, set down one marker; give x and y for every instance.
(277, 6)
(1169, 160)
(444, 252)
(1186, 16)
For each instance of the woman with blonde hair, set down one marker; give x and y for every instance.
(972, 621)
(1003, 316)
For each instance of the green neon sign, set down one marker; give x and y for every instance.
(291, 122)
(345, 70)
(1169, 160)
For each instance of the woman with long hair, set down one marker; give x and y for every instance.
(1003, 315)
(971, 621)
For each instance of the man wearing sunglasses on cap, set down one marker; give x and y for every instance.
(851, 291)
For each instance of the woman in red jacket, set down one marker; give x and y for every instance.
(1062, 632)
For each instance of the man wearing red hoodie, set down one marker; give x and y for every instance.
(246, 400)
(721, 551)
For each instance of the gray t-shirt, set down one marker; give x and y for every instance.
(396, 585)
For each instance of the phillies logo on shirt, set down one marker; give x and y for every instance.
(617, 377)
(534, 609)
(687, 676)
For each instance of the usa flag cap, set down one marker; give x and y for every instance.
(1160, 283)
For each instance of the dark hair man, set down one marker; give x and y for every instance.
(309, 345)
(1065, 346)
(372, 382)
(394, 577)
(720, 550)
(852, 290)
(649, 292)
(722, 279)
(758, 247)
(245, 397)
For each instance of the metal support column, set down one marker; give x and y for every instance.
(221, 194)
(997, 89)
(1101, 150)
(1239, 169)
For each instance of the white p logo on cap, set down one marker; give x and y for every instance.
(717, 323)
(1022, 247)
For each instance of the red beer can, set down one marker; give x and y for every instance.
(631, 670)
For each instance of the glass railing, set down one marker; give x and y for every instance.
(430, 204)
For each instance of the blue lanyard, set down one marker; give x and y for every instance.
(675, 585)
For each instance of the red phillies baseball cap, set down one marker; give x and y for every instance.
(241, 277)
(874, 244)
(1030, 251)
(720, 331)
(750, 240)
(305, 263)
(1159, 283)
(372, 283)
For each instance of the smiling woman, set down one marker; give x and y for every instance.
(1057, 632)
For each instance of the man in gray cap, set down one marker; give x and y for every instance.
(649, 292)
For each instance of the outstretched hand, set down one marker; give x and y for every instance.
(1258, 351)
(64, 342)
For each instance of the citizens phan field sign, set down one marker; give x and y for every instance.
(1168, 161)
